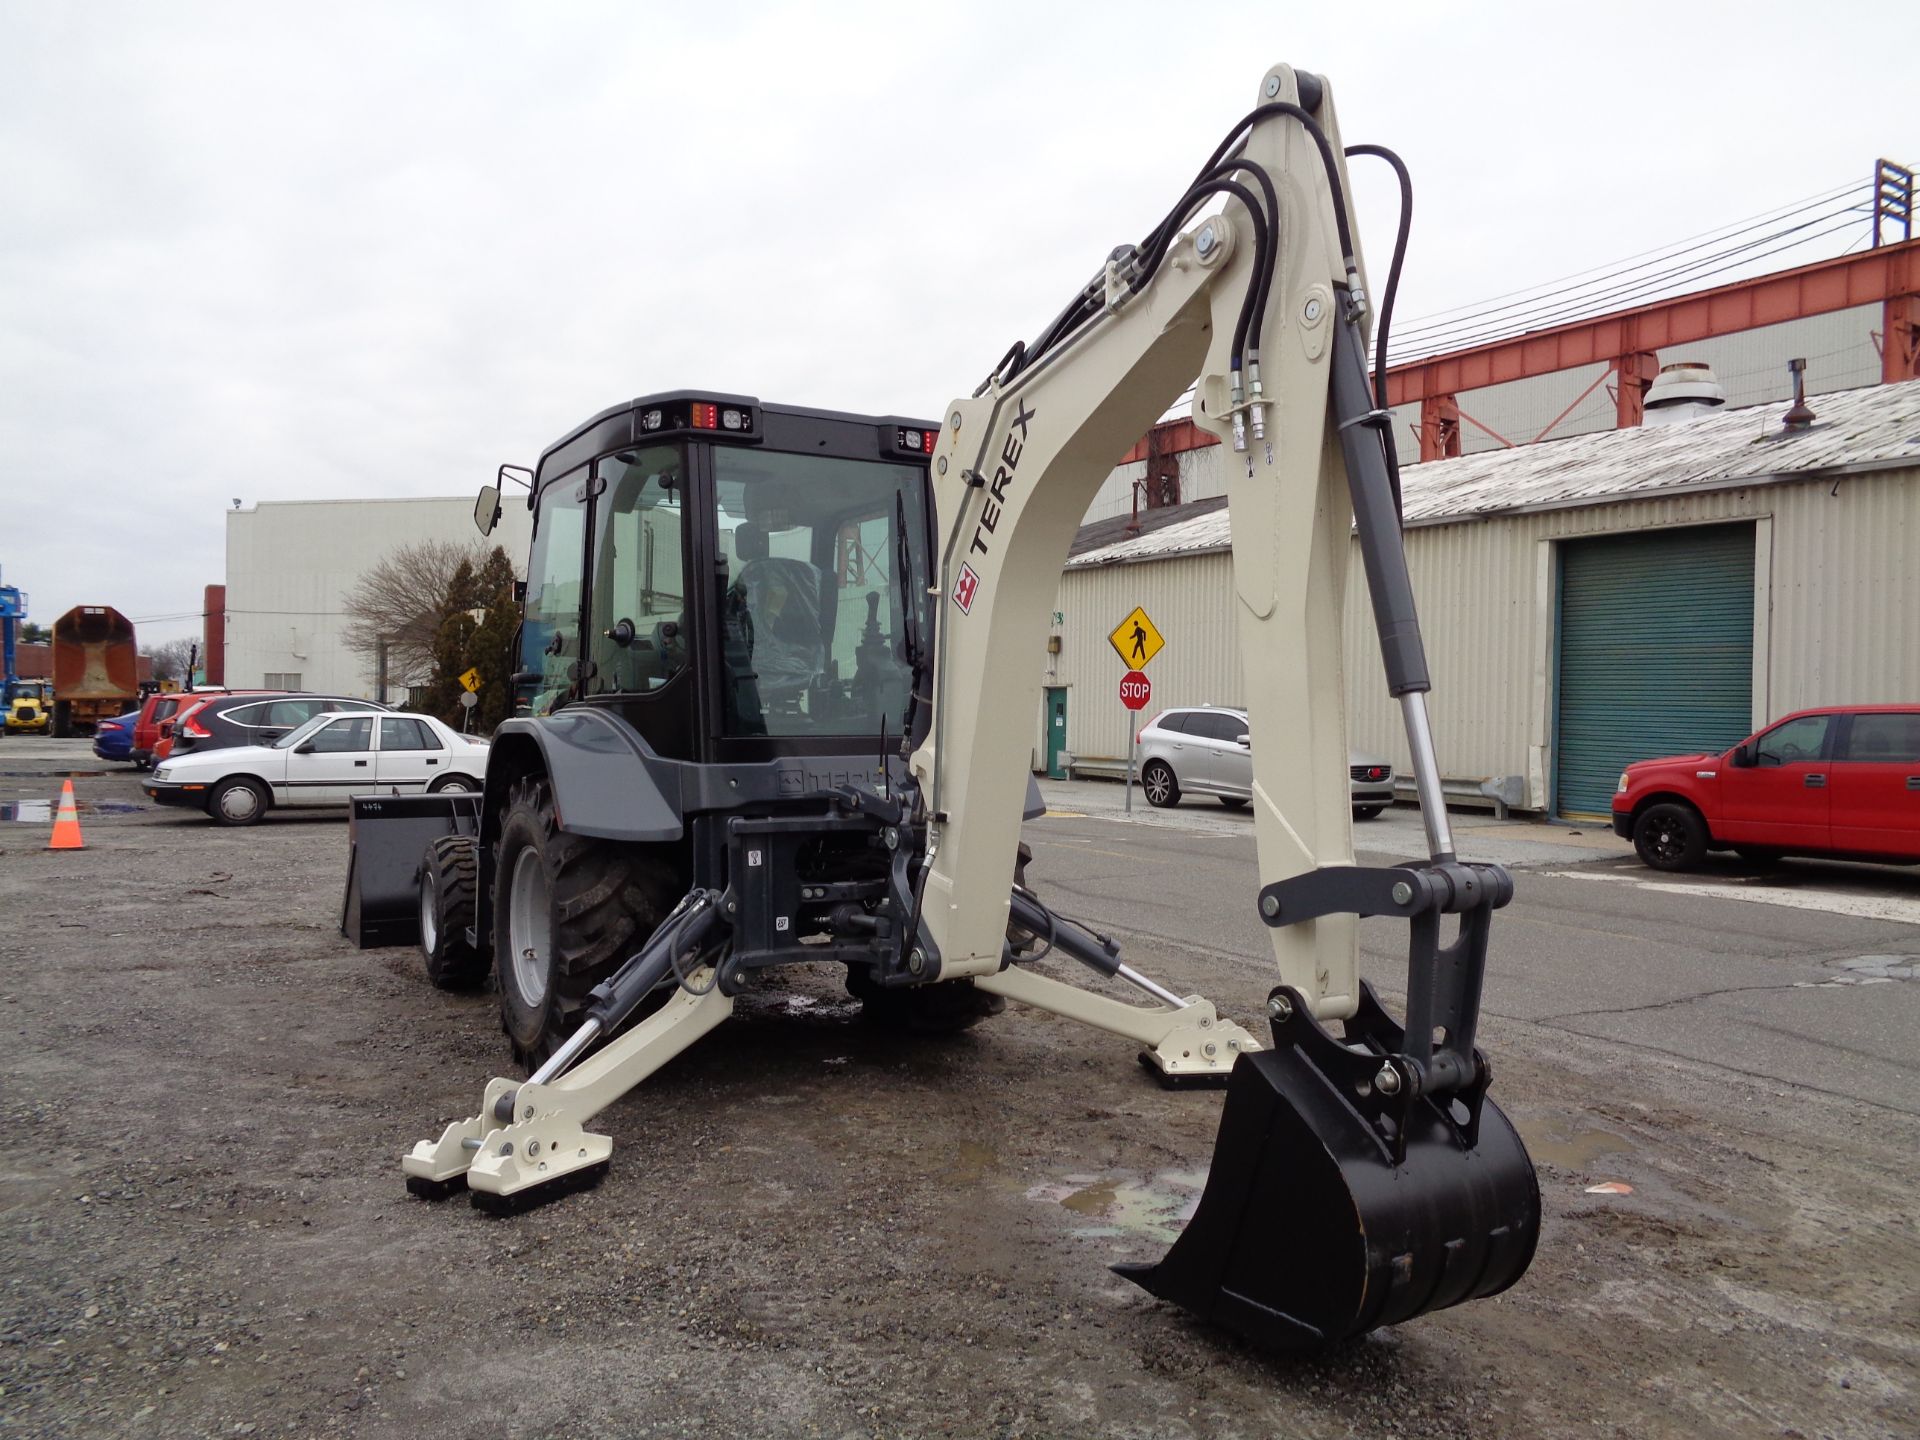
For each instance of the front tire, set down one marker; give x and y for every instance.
(1670, 837)
(449, 880)
(567, 910)
(238, 800)
(1161, 785)
(1367, 812)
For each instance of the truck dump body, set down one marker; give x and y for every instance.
(95, 667)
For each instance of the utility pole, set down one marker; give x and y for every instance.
(380, 663)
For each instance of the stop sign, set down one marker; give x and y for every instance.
(1135, 690)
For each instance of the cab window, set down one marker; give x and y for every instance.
(640, 566)
(550, 634)
(1794, 742)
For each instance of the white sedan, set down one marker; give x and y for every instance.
(334, 756)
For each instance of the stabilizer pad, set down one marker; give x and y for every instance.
(534, 1196)
(1194, 1080)
(424, 1189)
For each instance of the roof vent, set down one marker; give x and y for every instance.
(1684, 391)
(1799, 417)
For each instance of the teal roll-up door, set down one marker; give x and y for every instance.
(1656, 653)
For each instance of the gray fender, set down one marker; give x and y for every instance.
(1036, 806)
(602, 775)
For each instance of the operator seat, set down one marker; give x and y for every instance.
(780, 598)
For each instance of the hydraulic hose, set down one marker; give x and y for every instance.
(1405, 228)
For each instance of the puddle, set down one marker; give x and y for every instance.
(115, 807)
(971, 1163)
(1577, 1152)
(1157, 1207)
(56, 774)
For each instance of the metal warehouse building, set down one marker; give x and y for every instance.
(1586, 601)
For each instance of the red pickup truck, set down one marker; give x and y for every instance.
(1841, 781)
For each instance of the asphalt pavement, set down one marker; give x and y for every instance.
(1802, 974)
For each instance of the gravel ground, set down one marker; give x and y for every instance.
(812, 1228)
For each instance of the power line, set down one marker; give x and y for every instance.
(1633, 274)
(1720, 231)
(1680, 281)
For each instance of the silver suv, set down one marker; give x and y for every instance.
(1205, 751)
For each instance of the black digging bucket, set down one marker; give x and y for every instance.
(1332, 1208)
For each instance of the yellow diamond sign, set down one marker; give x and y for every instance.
(1135, 640)
(471, 680)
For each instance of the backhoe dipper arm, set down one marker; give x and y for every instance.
(1017, 465)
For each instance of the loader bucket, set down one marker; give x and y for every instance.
(386, 835)
(1330, 1212)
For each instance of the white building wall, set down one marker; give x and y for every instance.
(1837, 620)
(290, 565)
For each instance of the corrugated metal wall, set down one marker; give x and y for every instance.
(1837, 597)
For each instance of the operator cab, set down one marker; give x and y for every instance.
(740, 581)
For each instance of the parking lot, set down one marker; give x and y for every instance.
(816, 1228)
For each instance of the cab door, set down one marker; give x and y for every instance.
(1876, 784)
(1782, 798)
(334, 762)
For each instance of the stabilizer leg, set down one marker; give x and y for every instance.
(529, 1143)
(1185, 1043)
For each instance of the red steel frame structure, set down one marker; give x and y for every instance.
(1628, 343)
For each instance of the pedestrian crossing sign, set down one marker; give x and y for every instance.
(471, 680)
(1135, 640)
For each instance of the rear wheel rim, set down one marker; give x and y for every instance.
(530, 927)
(1158, 783)
(239, 803)
(429, 914)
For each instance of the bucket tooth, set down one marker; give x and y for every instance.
(1328, 1213)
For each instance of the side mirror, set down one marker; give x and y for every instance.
(1245, 742)
(305, 748)
(486, 509)
(1741, 757)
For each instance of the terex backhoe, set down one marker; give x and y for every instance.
(778, 709)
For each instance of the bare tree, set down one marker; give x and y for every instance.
(170, 659)
(402, 601)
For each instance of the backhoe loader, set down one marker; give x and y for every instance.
(776, 710)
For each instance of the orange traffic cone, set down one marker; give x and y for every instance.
(66, 823)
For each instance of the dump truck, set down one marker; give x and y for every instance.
(96, 671)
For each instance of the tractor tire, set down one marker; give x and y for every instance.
(63, 720)
(449, 881)
(567, 910)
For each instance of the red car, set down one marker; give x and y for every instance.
(1841, 782)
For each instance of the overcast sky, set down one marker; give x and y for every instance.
(280, 251)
